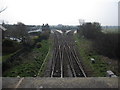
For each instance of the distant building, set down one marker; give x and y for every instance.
(35, 32)
(2, 30)
(59, 25)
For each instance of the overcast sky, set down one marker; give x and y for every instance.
(53, 12)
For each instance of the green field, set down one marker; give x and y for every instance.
(110, 31)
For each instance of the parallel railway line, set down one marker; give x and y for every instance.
(65, 61)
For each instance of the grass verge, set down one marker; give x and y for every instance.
(30, 63)
(47, 58)
(102, 63)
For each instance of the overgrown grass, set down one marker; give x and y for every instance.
(47, 58)
(97, 69)
(0, 58)
(30, 64)
(6, 56)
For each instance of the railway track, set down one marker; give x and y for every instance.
(65, 61)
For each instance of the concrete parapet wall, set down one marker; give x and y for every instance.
(37, 82)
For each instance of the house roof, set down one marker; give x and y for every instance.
(38, 30)
(2, 28)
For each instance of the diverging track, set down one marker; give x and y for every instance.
(65, 61)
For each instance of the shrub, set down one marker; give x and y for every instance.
(103, 43)
(8, 43)
(38, 45)
(107, 44)
(10, 46)
(90, 30)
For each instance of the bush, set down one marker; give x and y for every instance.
(38, 45)
(10, 46)
(103, 43)
(107, 44)
(8, 43)
(90, 30)
(42, 36)
(28, 42)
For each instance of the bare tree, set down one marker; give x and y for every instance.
(81, 21)
(3, 9)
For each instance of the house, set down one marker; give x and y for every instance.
(2, 31)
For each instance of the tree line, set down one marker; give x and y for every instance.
(20, 31)
(103, 43)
